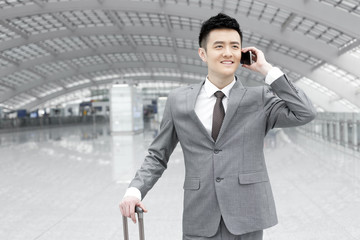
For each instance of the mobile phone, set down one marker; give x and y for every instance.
(246, 58)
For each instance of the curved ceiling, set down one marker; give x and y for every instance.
(51, 48)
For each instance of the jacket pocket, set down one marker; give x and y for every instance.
(256, 177)
(192, 184)
(248, 108)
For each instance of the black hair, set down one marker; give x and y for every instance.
(220, 21)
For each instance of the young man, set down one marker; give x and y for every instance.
(221, 126)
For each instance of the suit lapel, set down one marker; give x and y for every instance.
(191, 101)
(237, 92)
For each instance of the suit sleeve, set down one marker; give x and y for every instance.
(159, 153)
(285, 105)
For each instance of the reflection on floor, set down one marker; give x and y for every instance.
(65, 183)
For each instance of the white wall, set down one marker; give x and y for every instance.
(161, 102)
(126, 109)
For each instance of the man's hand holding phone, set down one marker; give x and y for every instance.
(256, 60)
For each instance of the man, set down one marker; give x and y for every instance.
(227, 194)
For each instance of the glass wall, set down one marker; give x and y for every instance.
(28, 122)
(342, 129)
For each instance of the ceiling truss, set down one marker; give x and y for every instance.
(297, 36)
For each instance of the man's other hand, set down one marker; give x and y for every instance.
(127, 207)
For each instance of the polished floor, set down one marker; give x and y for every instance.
(66, 183)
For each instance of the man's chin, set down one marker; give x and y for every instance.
(226, 75)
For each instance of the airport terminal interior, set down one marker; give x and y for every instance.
(84, 84)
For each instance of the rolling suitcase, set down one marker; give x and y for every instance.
(140, 214)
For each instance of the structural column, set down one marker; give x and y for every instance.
(319, 128)
(331, 131)
(161, 102)
(1, 116)
(337, 132)
(313, 128)
(355, 135)
(345, 133)
(324, 130)
(126, 109)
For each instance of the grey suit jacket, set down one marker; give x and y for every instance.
(227, 178)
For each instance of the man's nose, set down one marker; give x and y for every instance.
(227, 52)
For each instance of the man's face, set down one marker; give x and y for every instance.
(223, 52)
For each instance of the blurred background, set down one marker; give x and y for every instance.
(83, 85)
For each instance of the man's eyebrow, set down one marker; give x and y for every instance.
(218, 42)
(222, 42)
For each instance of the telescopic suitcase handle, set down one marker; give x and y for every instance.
(140, 214)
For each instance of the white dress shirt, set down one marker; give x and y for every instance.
(205, 102)
(204, 106)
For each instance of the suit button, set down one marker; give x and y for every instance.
(219, 179)
(216, 151)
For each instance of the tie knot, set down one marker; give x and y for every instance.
(219, 94)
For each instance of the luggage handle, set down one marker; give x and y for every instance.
(140, 214)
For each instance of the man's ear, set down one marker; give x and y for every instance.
(202, 54)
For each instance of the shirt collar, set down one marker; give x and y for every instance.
(210, 88)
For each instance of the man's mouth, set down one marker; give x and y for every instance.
(227, 62)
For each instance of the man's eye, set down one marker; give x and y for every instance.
(218, 46)
(235, 46)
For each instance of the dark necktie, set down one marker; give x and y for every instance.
(218, 114)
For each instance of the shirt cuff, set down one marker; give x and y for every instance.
(273, 74)
(134, 192)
